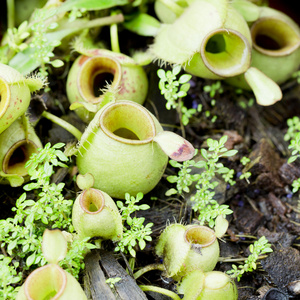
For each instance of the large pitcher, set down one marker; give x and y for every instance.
(126, 149)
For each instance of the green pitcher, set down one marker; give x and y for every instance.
(126, 150)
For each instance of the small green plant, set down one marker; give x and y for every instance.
(8, 277)
(112, 281)
(258, 248)
(42, 45)
(21, 236)
(136, 233)
(174, 90)
(293, 128)
(203, 202)
(293, 135)
(214, 88)
(245, 160)
(74, 259)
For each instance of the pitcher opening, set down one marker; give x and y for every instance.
(51, 277)
(274, 37)
(127, 122)
(92, 201)
(200, 236)
(96, 74)
(226, 52)
(17, 156)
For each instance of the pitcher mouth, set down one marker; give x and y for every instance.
(274, 37)
(127, 122)
(92, 201)
(199, 236)
(51, 277)
(17, 156)
(96, 74)
(226, 52)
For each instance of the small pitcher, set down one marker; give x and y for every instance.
(126, 150)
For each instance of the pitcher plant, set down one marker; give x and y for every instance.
(126, 150)
(15, 94)
(17, 142)
(99, 71)
(51, 281)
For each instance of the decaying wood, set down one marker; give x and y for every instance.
(126, 288)
(103, 265)
(95, 278)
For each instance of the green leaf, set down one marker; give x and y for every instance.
(204, 152)
(90, 4)
(184, 78)
(223, 140)
(161, 74)
(171, 192)
(230, 153)
(143, 24)
(142, 244)
(185, 87)
(172, 178)
(292, 159)
(175, 163)
(12, 245)
(57, 63)
(132, 252)
(176, 70)
(30, 259)
(181, 94)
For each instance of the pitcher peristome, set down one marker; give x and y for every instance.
(92, 71)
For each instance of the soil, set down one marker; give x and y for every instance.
(264, 207)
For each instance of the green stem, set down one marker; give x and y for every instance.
(114, 38)
(175, 8)
(226, 259)
(180, 117)
(67, 126)
(131, 262)
(103, 21)
(148, 268)
(10, 13)
(25, 122)
(156, 289)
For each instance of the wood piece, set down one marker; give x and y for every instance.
(99, 289)
(126, 288)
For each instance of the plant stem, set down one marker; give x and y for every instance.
(67, 126)
(118, 18)
(175, 8)
(148, 268)
(156, 289)
(131, 262)
(180, 118)
(10, 13)
(226, 259)
(114, 39)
